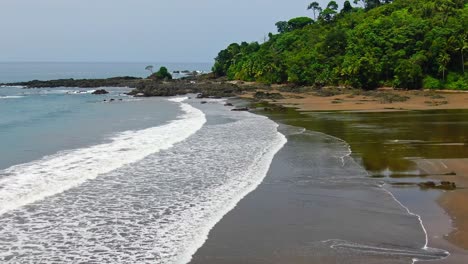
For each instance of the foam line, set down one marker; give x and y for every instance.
(256, 172)
(51, 175)
(426, 243)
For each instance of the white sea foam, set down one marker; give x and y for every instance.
(30, 182)
(157, 210)
(11, 97)
(12, 86)
(253, 176)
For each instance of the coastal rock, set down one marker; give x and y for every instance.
(444, 185)
(270, 96)
(100, 91)
(240, 109)
(228, 104)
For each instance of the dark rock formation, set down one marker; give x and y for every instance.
(205, 89)
(100, 91)
(82, 83)
(240, 109)
(444, 185)
(271, 96)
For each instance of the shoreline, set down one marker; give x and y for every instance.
(274, 207)
(450, 201)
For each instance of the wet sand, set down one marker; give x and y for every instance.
(316, 205)
(268, 226)
(454, 202)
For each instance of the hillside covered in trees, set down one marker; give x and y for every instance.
(403, 43)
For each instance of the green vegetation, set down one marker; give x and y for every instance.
(162, 74)
(403, 43)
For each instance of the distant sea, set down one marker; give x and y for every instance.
(27, 71)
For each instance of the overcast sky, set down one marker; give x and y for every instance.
(136, 30)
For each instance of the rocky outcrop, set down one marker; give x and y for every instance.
(82, 83)
(204, 89)
(444, 185)
(240, 109)
(100, 91)
(268, 96)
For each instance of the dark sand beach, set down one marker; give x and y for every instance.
(322, 204)
(316, 205)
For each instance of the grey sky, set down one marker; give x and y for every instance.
(135, 30)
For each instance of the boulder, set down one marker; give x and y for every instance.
(100, 91)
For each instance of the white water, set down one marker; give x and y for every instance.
(159, 209)
(36, 180)
(11, 97)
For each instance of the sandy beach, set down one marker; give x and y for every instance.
(350, 101)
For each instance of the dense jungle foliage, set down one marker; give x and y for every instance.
(402, 43)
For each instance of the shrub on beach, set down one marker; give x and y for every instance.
(431, 83)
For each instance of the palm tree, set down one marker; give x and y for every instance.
(462, 48)
(443, 61)
(315, 6)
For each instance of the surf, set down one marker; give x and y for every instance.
(30, 182)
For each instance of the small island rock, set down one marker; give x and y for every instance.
(101, 91)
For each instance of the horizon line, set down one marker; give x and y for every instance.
(79, 61)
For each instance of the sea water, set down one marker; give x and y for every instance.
(86, 179)
(27, 71)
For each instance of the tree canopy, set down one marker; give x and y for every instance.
(162, 74)
(403, 43)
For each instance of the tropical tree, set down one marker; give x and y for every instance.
(347, 7)
(282, 26)
(162, 74)
(315, 7)
(149, 68)
(299, 22)
(461, 46)
(328, 13)
(443, 61)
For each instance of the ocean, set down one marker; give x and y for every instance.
(28, 71)
(128, 181)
